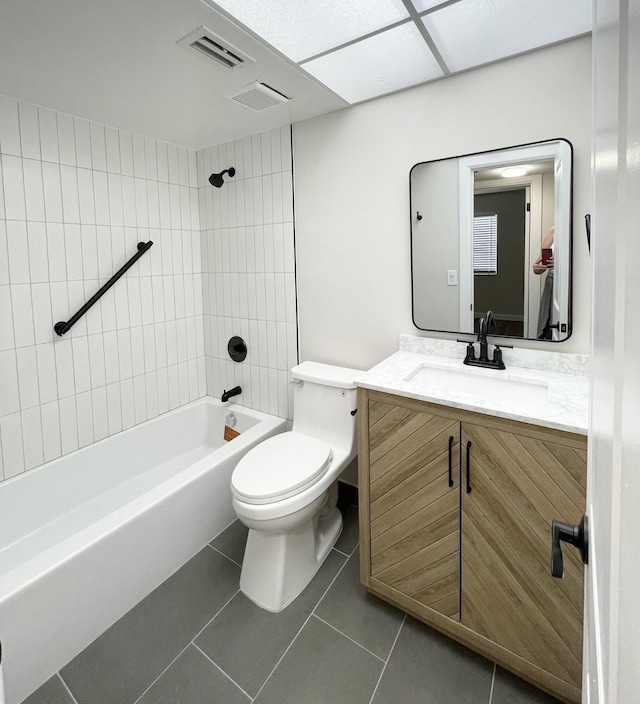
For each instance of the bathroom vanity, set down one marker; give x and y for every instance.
(458, 488)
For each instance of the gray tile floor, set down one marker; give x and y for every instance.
(198, 640)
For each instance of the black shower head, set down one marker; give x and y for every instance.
(217, 180)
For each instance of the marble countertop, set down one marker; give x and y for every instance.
(566, 407)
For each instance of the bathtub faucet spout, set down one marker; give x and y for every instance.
(226, 395)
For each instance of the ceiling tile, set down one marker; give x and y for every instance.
(474, 32)
(389, 61)
(422, 5)
(301, 30)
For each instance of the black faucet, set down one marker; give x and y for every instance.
(226, 395)
(484, 325)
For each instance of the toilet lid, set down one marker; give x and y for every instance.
(280, 467)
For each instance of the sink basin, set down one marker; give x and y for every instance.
(487, 387)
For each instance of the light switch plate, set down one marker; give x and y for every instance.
(452, 277)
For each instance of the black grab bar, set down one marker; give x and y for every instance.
(62, 327)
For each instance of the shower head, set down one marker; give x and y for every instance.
(217, 180)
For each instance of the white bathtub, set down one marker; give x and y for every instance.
(87, 536)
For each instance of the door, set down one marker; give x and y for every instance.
(414, 503)
(518, 484)
(612, 617)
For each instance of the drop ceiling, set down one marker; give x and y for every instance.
(120, 61)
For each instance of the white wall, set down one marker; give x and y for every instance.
(351, 177)
(75, 198)
(249, 268)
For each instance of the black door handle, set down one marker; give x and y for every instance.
(451, 460)
(469, 467)
(568, 533)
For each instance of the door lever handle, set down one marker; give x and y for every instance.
(572, 534)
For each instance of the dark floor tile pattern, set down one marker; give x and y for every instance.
(368, 620)
(51, 692)
(247, 641)
(119, 665)
(342, 671)
(194, 679)
(328, 647)
(426, 667)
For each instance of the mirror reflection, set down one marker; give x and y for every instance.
(492, 232)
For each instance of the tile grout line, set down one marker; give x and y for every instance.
(355, 642)
(66, 686)
(493, 680)
(215, 664)
(223, 555)
(161, 674)
(375, 689)
(183, 650)
(300, 629)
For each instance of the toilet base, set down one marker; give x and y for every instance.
(277, 566)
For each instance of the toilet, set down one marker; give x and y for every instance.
(285, 489)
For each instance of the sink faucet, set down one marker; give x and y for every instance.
(226, 395)
(484, 325)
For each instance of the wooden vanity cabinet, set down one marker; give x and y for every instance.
(475, 564)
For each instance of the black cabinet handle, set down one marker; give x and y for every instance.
(469, 467)
(451, 460)
(572, 534)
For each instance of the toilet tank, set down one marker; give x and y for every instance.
(323, 405)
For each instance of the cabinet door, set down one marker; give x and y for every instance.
(519, 483)
(414, 510)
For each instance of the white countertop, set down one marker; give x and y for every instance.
(565, 409)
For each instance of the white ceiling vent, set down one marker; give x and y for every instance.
(256, 96)
(206, 43)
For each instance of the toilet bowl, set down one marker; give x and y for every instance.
(285, 489)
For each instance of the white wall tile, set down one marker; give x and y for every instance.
(27, 377)
(32, 437)
(112, 144)
(29, 130)
(83, 142)
(98, 147)
(85, 196)
(48, 126)
(100, 413)
(66, 139)
(12, 449)
(139, 163)
(126, 153)
(9, 126)
(51, 440)
(68, 424)
(70, 204)
(43, 321)
(101, 198)
(21, 304)
(128, 405)
(14, 196)
(9, 389)
(84, 409)
(114, 408)
(97, 363)
(79, 197)
(18, 252)
(81, 368)
(64, 371)
(52, 190)
(7, 338)
(47, 381)
(56, 252)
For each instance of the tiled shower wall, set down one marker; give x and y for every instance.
(75, 198)
(248, 267)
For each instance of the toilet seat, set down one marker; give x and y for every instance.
(280, 467)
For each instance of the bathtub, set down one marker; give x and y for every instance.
(85, 537)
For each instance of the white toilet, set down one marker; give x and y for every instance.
(285, 489)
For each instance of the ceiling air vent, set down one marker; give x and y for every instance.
(206, 43)
(257, 96)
